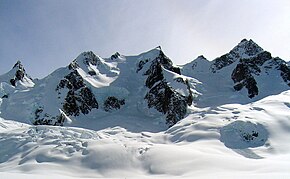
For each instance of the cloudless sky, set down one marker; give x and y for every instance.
(48, 34)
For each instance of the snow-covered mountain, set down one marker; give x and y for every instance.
(246, 74)
(15, 79)
(90, 86)
(125, 115)
(147, 84)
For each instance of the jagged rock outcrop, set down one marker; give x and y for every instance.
(18, 74)
(243, 73)
(43, 118)
(115, 55)
(162, 96)
(167, 101)
(245, 49)
(113, 103)
(250, 60)
(79, 98)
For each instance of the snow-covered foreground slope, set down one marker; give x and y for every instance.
(228, 141)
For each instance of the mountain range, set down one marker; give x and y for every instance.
(144, 117)
(148, 84)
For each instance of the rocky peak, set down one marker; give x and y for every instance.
(115, 55)
(18, 65)
(159, 58)
(161, 96)
(246, 48)
(86, 58)
(17, 73)
(201, 57)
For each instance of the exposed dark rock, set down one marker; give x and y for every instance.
(42, 118)
(249, 46)
(13, 82)
(37, 112)
(254, 64)
(90, 58)
(115, 56)
(161, 96)
(242, 75)
(166, 100)
(243, 78)
(73, 65)
(19, 74)
(5, 96)
(246, 69)
(141, 64)
(87, 100)
(251, 85)
(285, 73)
(161, 59)
(71, 81)
(167, 63)
(79, 98)
(92, 73)
(113, 103)
(154, 74)
(70, 106)
(245, 47)
(250, 136)
(189, 99)
(222, 62)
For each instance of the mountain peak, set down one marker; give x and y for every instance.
(201, 57)
(18, 65)
(86, 58)
(115, 55)
(247, 48)
(158, 47)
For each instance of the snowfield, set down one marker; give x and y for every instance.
(227, 141)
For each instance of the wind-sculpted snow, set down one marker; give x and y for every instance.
(230, 140)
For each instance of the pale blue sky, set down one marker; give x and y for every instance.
(48, 34)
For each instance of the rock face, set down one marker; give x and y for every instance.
(76, 96)
(42, 118)
(285, 71)
(245, 49)
(250, 60)
(79, 98)
(243, 74)
(18, 74)
(113, 103)
(161, 95)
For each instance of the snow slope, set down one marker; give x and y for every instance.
(206, 144)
